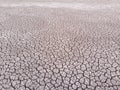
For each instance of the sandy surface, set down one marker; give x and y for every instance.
(70, 46)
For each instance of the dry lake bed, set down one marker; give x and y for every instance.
(57, 45)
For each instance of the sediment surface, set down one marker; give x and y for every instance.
(59, 48)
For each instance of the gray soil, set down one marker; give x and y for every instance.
(45, 48)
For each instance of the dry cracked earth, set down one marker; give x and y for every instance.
(44, 48)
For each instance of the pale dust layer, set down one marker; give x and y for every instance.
(67, 1)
